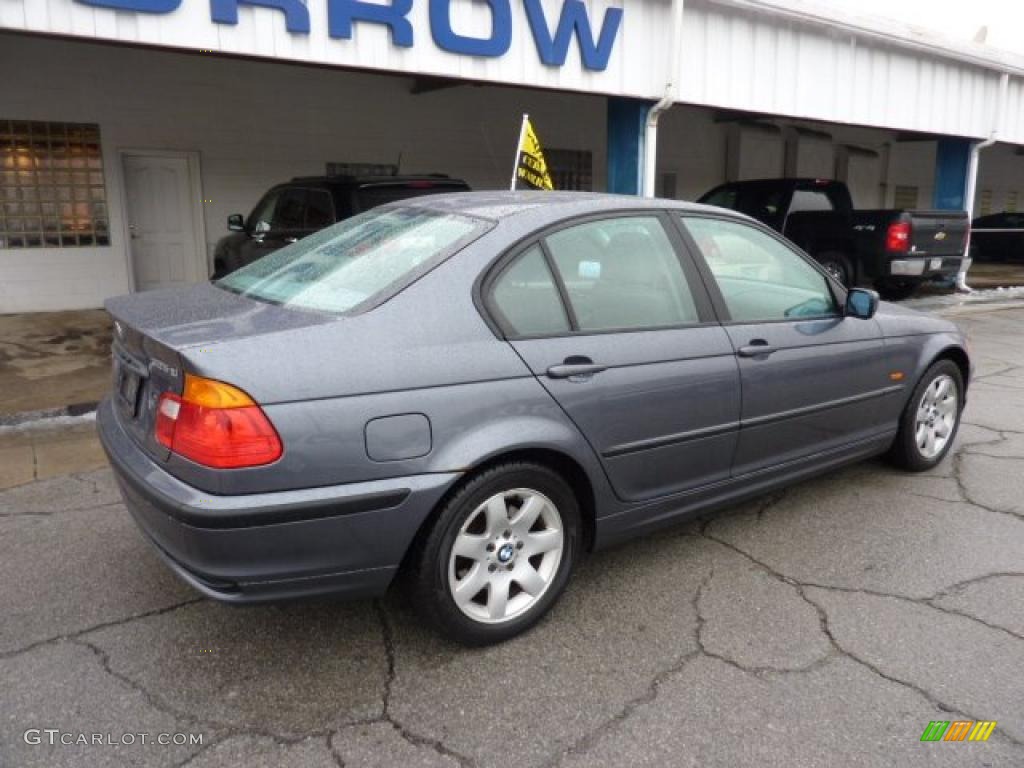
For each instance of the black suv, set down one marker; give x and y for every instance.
(304, 205)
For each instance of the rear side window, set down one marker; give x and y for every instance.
(526, 296)
(366, 256)
(760, 201)
(291, 210)
(723, 197)
(810, 200)
(371, 196)
(622, 273)
(319, 209)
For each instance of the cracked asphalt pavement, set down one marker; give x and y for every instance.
(825, 625)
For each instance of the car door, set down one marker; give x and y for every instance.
(619, 329)
(813, 381)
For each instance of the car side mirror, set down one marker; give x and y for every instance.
(861, 303)
(236, 223)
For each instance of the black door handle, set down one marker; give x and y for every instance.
(756, 348)
(575, 366)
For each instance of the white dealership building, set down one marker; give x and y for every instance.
(130, 129)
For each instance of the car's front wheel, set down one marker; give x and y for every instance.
(499, 555)
(931, 418)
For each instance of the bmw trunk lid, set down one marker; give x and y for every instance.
(155, 334)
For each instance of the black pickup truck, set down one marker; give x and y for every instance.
(895, 250)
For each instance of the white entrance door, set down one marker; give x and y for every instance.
(162, 221)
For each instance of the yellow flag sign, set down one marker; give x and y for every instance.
(531, 167)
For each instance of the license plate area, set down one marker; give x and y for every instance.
(128, 377)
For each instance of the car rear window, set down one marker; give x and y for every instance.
(368, 256)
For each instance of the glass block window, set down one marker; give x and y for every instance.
(570, 168)
(904, 197)
(985, 202)
(52, 193)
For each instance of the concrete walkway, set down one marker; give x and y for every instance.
(50, 361)
(58, 447)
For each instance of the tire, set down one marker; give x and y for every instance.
(837, 265)
(896, 290)
(928, 417)
(495, 555)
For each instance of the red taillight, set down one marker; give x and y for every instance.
(217, 425)
(167, 411)
(898, 237)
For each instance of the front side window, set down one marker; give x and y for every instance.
(622, 273)
(319, 209)
(760, 278)
(263, 214)
(365, 256)
(527, 298)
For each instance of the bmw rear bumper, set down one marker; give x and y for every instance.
(346, 539)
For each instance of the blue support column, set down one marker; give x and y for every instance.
(952, 159)
(626, 119)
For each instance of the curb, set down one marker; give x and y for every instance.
(973, 308)
(24, 417)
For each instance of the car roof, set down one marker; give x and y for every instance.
(554, 205)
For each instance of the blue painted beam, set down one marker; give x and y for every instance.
(952, 159)
(626, 120)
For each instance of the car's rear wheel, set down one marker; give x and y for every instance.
(499, 555)
(931, 419)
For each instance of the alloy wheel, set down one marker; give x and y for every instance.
(936, 416)
(506, 555)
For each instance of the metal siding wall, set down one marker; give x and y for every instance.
(751, 62)
(1012, 128)
(731, 58)
(261, 32)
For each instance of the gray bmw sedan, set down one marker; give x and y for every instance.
(475, 389)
